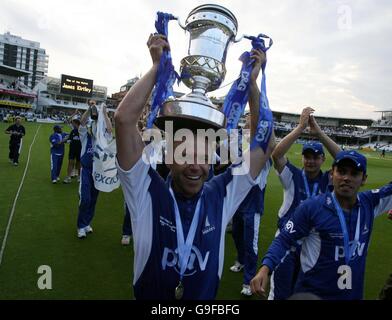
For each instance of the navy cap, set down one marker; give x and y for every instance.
(56, 126)
(315, 147)
(358, 159)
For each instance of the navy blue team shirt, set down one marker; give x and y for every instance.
(156, 265)
(294, 192)
(55, 148)
(316, 222)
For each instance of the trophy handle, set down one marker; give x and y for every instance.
(240, 38)
(180, 23)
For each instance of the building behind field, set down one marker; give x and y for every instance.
(23, 63)
(23, 54)
(15, 96)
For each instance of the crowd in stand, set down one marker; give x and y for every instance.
(383, 123)
(15, 85)
(383, 131)
(345, 130)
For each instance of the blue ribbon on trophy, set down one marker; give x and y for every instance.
(235, 101)
(266, 121)
(166, 75)
(237, 97)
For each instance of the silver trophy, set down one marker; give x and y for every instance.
(212, 28)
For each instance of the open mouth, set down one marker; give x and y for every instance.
(193, 178)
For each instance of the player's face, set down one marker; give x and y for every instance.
(188, 177)
(18, 121)
(347, 179)
(312, 162)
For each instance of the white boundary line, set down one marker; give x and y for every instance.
(16, 199)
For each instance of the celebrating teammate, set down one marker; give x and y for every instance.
(298, 185)
(87, 192)
(178, 226)
(335, 230)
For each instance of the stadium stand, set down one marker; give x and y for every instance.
(15, 97)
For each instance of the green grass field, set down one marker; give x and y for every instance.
(43, 232)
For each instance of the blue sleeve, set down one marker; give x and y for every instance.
(379, 199)
(296, 228)
(53, 139)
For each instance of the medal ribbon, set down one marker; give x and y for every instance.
(348, 252)
(315, 187)
(184, 247)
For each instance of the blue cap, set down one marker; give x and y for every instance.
(315, 147)
(358, 159)
(56, 126)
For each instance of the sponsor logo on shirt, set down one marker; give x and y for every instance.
(170, 260)
(358, 251)
(365, 229)
(207, 227)
(336, 235)
(290, 227)
(166, 223)
(105, 179)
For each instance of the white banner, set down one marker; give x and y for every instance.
(104, 164)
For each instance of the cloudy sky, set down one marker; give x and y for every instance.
(333, 55)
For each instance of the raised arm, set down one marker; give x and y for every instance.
(258, 157)
(129, 142)
(109, 127)
(69, 119)
(331, 145)
(279, 154)
(84, 118)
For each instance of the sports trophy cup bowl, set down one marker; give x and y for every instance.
(212, 28)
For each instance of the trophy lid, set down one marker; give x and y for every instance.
(231, 23)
